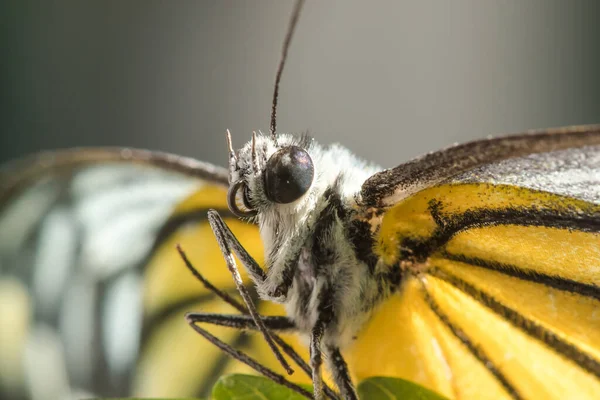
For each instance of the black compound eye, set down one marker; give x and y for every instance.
(288, 175)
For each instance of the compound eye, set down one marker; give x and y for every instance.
(288, 175)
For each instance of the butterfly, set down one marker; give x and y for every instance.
(472, 270)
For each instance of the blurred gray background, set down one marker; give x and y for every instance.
(390, 79)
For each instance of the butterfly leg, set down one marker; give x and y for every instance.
(225, 239)
(241, 322)
(254, 270)
(276, 289)
(316, 358)
(336, 362)
(341, 375)
(324, 318)
(276, 323)
(246, 322)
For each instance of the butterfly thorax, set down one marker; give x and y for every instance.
(313, 264)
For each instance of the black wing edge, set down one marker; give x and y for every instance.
(435, 167)
(19, 174)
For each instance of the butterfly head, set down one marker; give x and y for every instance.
(270, 173)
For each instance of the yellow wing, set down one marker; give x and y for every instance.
(501, 282)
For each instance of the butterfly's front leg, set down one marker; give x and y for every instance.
(221, 229)
(272, 287)
(226, 240)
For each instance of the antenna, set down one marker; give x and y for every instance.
(284, 53)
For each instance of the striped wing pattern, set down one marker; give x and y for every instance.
(77, 230)
(93, 287)
(501, 297)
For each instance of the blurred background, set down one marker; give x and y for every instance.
(389, 79)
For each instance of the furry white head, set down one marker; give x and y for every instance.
(288, 228)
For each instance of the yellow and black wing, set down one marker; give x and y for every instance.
(498, 246)
(91, 284)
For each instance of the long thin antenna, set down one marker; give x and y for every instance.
(284, 53)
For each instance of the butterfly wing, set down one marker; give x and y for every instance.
(498, 246)
(91, 283)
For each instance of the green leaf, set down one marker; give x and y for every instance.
(251, 387)
(380, 388)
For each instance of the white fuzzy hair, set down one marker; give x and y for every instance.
(287, 229)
